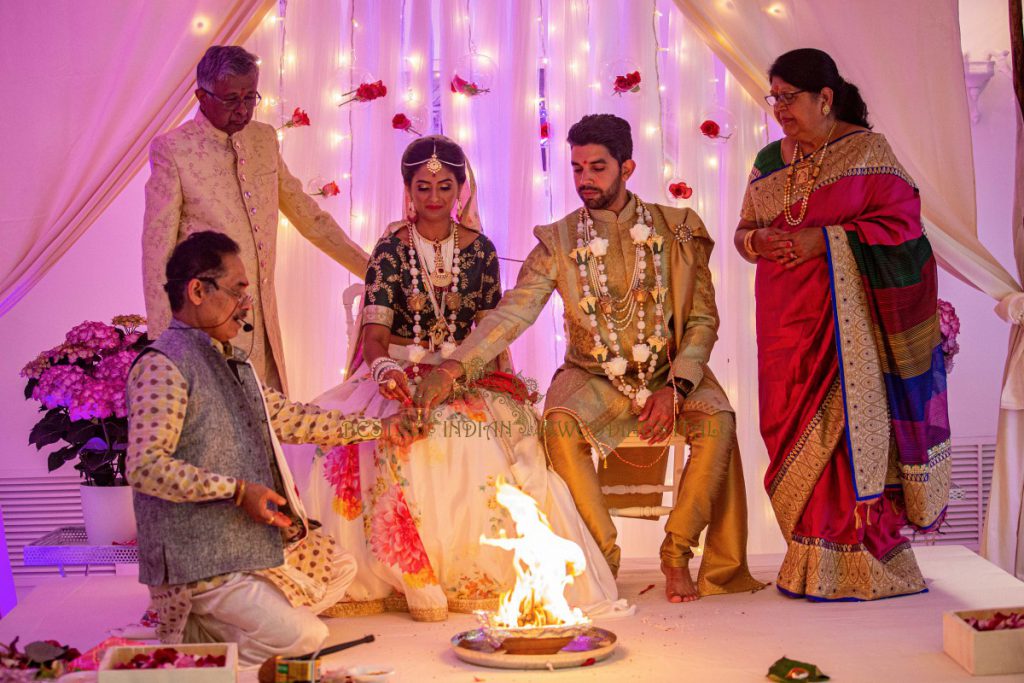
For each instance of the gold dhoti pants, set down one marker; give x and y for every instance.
(711, 495)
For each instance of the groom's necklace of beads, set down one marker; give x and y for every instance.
(619, 313)
(442, 332)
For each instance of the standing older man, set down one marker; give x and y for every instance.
(224, 542)
(223, 171)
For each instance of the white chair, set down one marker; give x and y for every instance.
(677, 452)
(350, 300)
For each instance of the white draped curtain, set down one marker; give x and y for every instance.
(574, 48)
(77, 122)
(912, 77)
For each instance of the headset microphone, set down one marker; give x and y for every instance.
(247, 327)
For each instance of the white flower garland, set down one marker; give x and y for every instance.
(452, 300)
(589, 256)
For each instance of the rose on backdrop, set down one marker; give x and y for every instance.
(402, 122)
(949, 328)
(628, 83)
(329, 190)
(545, 131)
(366, 92)
(467, 88)
(299, 118)
(712, 130)
(680, 190)
(80, 385)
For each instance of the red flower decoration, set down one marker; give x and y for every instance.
(467, 88)
(402, 122)
(366, 92)
(328, 190)
(544, 130)
(627, 83)
(680, 190)
(299, 118)
(713, 130)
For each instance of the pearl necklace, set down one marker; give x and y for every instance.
(787, 191)
(442, 333)
(619, 313)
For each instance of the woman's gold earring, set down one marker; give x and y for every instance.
(411, 212)
(458, 213)
(826, 109)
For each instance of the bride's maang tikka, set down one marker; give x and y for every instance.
(434, 164)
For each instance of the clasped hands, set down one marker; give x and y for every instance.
(434, 389)
(789, 249)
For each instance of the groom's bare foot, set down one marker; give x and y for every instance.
(678, 584)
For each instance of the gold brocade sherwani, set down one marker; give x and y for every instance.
(203, 179)
(712, 492)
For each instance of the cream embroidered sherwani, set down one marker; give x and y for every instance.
(203, 179)
(712, 492)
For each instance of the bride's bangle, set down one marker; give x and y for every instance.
(381, 366)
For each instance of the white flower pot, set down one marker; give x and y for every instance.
(109, 514)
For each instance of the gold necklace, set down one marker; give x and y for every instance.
(808, 185)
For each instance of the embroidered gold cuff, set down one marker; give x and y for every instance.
(690, 370)
(378, 315)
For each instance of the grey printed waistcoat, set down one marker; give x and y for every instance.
(225, 431)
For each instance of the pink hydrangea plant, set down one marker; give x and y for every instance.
(81, 386)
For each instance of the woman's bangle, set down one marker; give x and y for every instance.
(239, 492)
(382, 365)
(380, 360)
(748, 244)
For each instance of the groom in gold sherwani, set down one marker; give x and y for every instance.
(641, 319)
(223, 171)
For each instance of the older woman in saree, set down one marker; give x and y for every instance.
(852, 380)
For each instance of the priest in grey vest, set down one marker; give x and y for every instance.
(224, 543)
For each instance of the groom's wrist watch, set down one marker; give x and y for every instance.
(682, 386)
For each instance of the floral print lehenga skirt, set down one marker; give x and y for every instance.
(413, 517)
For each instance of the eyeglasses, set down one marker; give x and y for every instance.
(243, 299)
(232, 103)
(785, 98)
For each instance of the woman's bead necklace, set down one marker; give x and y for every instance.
(618, 314)
(808, 185)
(425, 268)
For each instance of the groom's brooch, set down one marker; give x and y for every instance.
(683, 233)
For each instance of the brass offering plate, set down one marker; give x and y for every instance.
(475, 647)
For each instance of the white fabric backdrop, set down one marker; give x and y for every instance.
(585, 47)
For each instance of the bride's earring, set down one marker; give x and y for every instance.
(458, 209)
(410, 212)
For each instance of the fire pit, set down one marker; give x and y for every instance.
(534, 627)
(592, 645)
